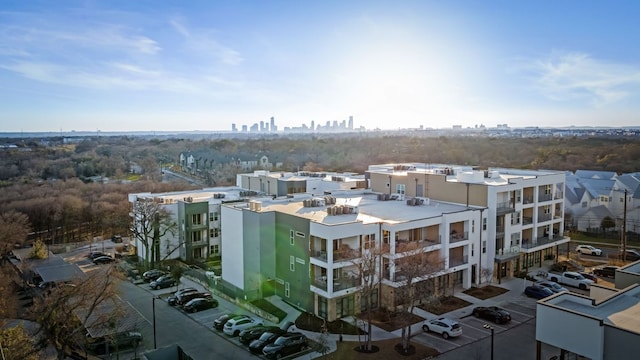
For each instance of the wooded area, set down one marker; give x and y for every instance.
(57, 184)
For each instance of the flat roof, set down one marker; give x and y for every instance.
(621, 310)
(369, 209)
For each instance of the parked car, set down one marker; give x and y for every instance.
(149, 276)
(285, 345)
(113, 343)
(234, 326)
(218, 323)
(588, 250)
(631, 255)
(537, 291)
(443, 326)
(246, 336)
(265, 339)
(199, 304)
(182, 297)
(162, 282)
(589, 276)
(496, 314)
(94, 254)
(606, 271)
(553, 286)
(103, 260)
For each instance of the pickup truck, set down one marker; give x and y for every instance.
(567, 278)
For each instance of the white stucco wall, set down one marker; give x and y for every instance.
(232, 243)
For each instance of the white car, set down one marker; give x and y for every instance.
(443, 326)
(588, 250)
(235, 325)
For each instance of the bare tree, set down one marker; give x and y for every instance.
(67, 310)
(367, 270)
(151, 222)
(419, 269)
(14, 227)
(486, 273)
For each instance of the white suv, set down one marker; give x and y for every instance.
(234, 326)
(588, 250)
(443, 326)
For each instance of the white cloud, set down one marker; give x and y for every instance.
(577, 76)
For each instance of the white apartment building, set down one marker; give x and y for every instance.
(523, 216)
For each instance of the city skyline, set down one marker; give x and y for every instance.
(143, 66)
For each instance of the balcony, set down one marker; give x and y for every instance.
(544, 217)
(505, 208)
(458, 236)
(458, 260)
(527, 200)
(320, 255)
(545, 197)
(406, 245)
(526, 220)
(338, 284)
(499, 230)
(559, 195)
(345, 253)
(545, 240)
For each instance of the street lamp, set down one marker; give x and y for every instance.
(489, 327)
(153, 307)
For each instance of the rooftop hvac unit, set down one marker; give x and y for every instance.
(338, 209)
(258, 206)
(188, 199)
(329, 209)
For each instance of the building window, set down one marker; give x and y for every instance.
(287, 289)
(213, 216)
(211, 233)
(484, 247)
(400, 188)
(292, 263)
(473, 226)
(215, 249)
(291, 237)
(196, 219)
(322, 307)
(196, 236)
(369, 241)
(484, 223)
(472, 248)
(584, 204)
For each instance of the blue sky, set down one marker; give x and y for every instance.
(203, 65)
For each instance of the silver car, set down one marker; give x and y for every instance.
(553, 286)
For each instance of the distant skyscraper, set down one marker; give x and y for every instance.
(261, 125)
(313, 125)
(244, 128)
(273, 124)
(350, 122)
(234, 128)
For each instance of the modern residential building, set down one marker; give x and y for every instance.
(523, 216)
(286, 183)
(603, 325)
(308, 249)
(196, 218)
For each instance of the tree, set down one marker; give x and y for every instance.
(607, 223)
(419, 270)
(14, 227)
(65, 312)
(39, 250)
(151, 222)
(17, 344)
(367, 271)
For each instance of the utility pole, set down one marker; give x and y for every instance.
(624, 228)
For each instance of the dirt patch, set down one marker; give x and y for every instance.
(485, 292)
(386, 350)
(307, 321)
(445, 305)
(390, 321)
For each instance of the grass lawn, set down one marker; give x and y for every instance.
(444, 305)
(389, 321)
(346, 350)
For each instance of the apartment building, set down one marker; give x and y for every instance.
(195, 215)
(603, 325)
(286, 183)
(523, 216)
(308, 249)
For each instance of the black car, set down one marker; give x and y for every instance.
(265, 339)
(162, 282)
(179, 297)
(285, 345)
(248, 335)
(184, 298)
(94, 254)
(103, 260)
(537, 292)
(198, 304)
(630, 255)
(606, 271)
(153, 274)
(218, 323)
(496, 314)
